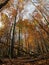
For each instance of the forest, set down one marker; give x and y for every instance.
(24, 32)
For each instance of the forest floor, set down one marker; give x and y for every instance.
(40, 60)
(21, 61)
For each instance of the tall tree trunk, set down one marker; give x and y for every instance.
(12, 40)
(19, 43)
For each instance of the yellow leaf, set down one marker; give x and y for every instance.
(4, 17)
(20, 0)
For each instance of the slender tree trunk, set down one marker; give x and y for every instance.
(12, 40)
(19, 43)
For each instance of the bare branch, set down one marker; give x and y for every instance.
(3, 4)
